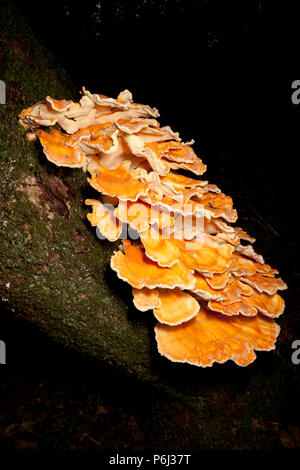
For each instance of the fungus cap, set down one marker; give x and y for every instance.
(134, 267)
(211, 337)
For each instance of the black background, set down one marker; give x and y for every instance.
(220, 73)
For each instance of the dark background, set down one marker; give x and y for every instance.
(220, 73)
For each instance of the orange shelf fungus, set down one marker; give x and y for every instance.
(213, 296)
(134, 267)
(162, 301)
(210, 337)
(59, 152)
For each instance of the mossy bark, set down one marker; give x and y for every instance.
(54, 271)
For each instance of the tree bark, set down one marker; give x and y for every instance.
(54, 271)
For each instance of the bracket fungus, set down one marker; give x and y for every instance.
(214, 297)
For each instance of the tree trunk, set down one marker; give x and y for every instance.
(54, 271)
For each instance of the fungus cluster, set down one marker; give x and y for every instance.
(214, 297)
